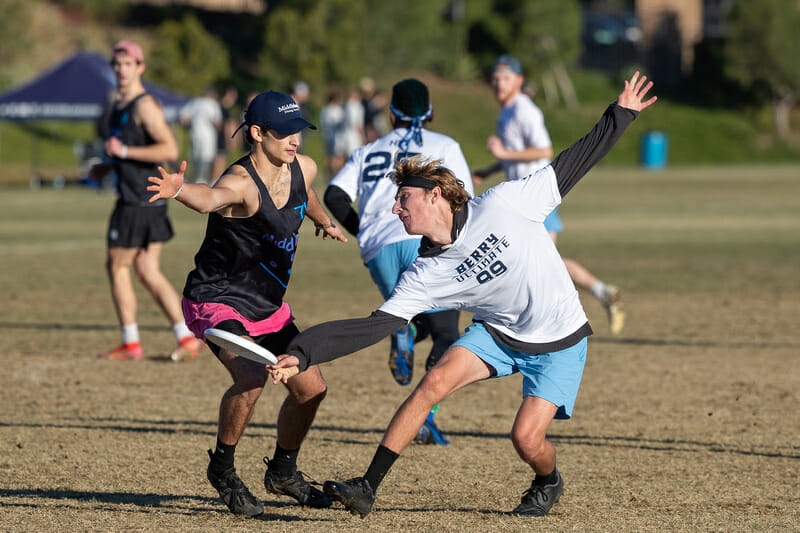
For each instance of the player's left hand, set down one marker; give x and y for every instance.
(286, 367)
(633, 92)
(331, 231)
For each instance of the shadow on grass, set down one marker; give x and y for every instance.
(319, 431)
(169, 503)
(76, 327)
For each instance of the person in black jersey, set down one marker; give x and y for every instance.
(138, 139)
(491, 256)
(241, 274)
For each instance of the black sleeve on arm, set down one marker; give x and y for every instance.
(574, 162)
(338, 203)
(331, 340)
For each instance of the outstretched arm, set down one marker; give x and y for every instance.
(197, 196)
(574, 162)
(331, 340)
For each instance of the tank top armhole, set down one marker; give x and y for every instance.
(246, 163)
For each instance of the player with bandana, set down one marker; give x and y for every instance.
(386, 249)
(492, 256)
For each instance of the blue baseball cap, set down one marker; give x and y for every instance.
(507, 62)
(277, 111)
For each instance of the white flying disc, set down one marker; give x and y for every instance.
(240, 346)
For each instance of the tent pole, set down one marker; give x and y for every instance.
(36, 179)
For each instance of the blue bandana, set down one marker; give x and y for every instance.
(415, 130)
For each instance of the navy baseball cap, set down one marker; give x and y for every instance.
(507, 62)
(277, 111)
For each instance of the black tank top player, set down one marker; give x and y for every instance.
(246, 262)
(132, 175)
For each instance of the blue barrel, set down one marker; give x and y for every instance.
(654, 150)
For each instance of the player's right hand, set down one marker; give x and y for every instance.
(286, 367)
(168, 184)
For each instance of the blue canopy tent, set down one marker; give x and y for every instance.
(75, 89)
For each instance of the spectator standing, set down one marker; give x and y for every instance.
(203, 115)
(331, 122)
(227, 102)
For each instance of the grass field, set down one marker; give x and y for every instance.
(687, 421)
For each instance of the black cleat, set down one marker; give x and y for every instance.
(234, 492)
(355, 494)
(295, 486)
(537, 500)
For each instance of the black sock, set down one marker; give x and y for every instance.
(284, 462)
(549, 479)
(222, 458)
(379, 467)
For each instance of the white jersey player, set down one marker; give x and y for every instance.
(492, 256)
(386, 248)
(522, 146)
(520, 125)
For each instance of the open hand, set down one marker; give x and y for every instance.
(633, 92)
(168, 184)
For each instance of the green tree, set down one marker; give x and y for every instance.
(186, 57)
(543, 35)
(339, 41)
(15, 35)
(761, 53)
(318, 44)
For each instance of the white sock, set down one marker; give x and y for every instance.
(599, 290)
(181, 331)
(130, 333)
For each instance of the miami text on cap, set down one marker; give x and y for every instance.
(277, 111)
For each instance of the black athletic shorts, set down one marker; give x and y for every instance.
(133, 226)
(276, 342)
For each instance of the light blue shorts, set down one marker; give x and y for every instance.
(553, 222)
(554, 376)
(390, 263)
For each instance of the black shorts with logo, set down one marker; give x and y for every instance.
(134, 226)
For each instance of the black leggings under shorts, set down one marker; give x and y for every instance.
(276, 342)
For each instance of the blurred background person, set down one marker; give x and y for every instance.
(203, 116)
(331, 122)
(373, 102)
(352, 133)
(227, 103)
(301, 92)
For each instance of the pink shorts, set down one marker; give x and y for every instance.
(201, 316)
